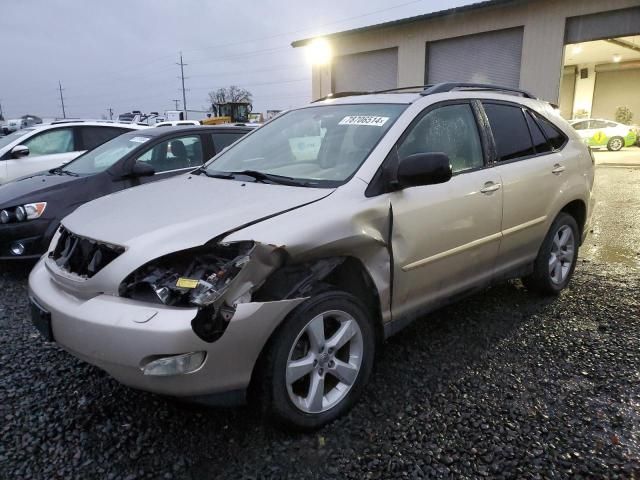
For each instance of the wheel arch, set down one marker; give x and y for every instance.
(349, 275)
(578, 210)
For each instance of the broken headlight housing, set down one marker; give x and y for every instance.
(190, 278)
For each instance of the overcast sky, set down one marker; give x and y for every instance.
(122, 53)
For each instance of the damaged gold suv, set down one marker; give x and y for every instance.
(276, 270)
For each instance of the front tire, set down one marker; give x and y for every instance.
(318, 362)
(615, 144)
(556, 260)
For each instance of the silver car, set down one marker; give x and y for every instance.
(274, 272)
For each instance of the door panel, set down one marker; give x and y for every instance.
(445, 238)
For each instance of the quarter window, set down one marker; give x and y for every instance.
(539, 140)
(556, 138)
(510, 131)
(59, 140)
(174, 154)
(450, 129)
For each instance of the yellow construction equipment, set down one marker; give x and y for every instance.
(230, 112)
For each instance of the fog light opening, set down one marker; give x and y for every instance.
(17, 249)
(175, 364)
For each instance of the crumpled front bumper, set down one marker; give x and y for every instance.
(120, 335)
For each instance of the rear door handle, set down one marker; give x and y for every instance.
(558, 169)
(490, 187)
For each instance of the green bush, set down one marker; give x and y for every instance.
(624, 115)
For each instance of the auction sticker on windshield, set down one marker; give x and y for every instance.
(139, 139)
(364, 120)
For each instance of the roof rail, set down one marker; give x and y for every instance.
(434, 88)
(449, 86)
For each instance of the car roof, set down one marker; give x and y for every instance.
(85, 123)
(159, 132)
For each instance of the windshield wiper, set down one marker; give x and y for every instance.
(62, 171)
(269, 177)
(223, 175)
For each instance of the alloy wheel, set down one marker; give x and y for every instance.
(562, 254)
(324, 361)
(616, 144)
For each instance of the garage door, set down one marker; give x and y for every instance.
(369, 71)
(616, 87)
(492, 57)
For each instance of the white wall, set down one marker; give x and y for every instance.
(583, 99)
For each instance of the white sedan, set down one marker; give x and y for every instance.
(43, 147)
(597, 132)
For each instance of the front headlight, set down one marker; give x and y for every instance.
(21, 213)
(190, 278)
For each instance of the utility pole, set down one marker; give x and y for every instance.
(184, 96)
(110, 113)
(176, 102)
(1, 115)
(64, 114)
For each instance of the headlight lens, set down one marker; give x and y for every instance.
(29, 211)
(190, 278)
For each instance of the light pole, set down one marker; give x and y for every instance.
(319, 54)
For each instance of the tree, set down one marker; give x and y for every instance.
(228, 94)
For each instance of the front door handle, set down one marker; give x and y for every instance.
(557, 169)
(490, 187)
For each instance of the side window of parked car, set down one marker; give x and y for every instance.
(451, 129)
(510, 131)
(59, 140)
(556, 138)
(584, 125)
(224, 139)
(91, 137)
(539, 140)
(174, 154)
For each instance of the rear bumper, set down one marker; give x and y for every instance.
(120, 336)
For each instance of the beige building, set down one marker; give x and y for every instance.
(589, 47)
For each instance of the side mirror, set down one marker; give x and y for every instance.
(423, 169)
(142, 169)
(19, 151)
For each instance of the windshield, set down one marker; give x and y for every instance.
(317, 146)
(12, 137)
(101, 158)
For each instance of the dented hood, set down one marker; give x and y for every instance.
(188, 210)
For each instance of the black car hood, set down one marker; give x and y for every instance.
(35, 188)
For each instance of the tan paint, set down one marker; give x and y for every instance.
(542, 48)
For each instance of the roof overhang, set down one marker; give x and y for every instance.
(417, 18)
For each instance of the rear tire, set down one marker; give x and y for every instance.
(556, 260)
(318, 362)
(615, 144)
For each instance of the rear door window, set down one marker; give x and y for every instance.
(92, 137)
(510, 131)
(224, 139)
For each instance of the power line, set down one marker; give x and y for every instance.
(184, 95)
(64, 114)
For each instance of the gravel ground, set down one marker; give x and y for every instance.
(502, 385)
